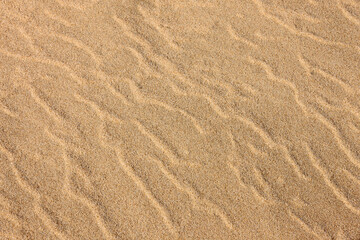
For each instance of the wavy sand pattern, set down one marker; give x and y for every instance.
(192, 119)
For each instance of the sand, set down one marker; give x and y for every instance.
(180, 119)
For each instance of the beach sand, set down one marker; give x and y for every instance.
(180, 119)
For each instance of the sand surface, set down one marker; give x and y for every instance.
(180, 119)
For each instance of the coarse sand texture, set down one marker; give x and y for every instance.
(179, 119)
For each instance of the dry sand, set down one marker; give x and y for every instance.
(180, 119)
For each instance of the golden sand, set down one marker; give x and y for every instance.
(180, 119)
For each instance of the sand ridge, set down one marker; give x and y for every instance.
(159, 119)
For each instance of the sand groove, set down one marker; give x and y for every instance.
(338, 138)
(5, 110)
(162, 146)
(346, 13)
(68, 169)
(295, 31)
(79, 45)
(272, 77)
(154, 23)
(45, 61)
(56, 18)
(307, 228)
(329, 183)
(195, 197)
(37, 197)
(241, 39)
(138, 96)
(323, 73)
(162, 209)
